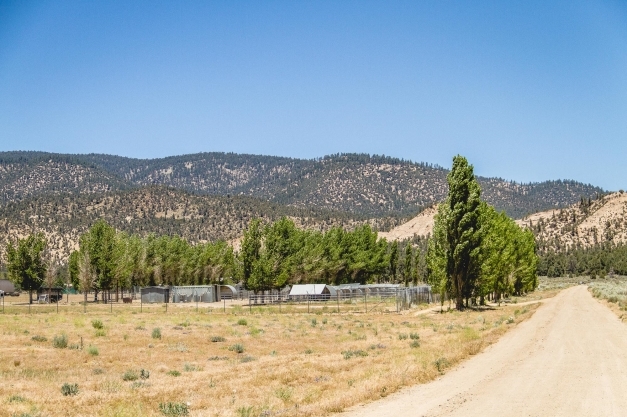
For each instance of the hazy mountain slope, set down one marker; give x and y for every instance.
(373, 186)
(28, 174)
(155, 209)
(586, 224)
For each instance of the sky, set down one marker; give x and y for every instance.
(526, 90)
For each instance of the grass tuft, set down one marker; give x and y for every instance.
(69, 389)
(173, 409)
(60, 342)
(237, 348)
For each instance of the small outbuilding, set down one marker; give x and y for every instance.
(228, 292)
(195, 293)
(7, 287)
(312, 292)
(49, 295)
(151, 295)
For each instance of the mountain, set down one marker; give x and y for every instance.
(585, 224)
(155, 209)
(365, 185)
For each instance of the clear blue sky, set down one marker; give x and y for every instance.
(527, 90)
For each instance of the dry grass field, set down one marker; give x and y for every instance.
(233, 363)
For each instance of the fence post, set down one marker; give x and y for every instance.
(250, 304)
(366, 300)
(338, 301)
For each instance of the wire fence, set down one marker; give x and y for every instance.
(360, 299)
(357, 299)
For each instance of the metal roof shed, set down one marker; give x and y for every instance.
(312, 291)
(155, 294)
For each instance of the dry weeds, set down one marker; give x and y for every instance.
(289, 364)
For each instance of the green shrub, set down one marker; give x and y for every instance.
(242, 322)
(238, 348)
(402, 336)
(97, 324)
(189, 367)
(100, 333)
(16, 399)
(69, 389)
(216, 339)
(39, 339)
(130, 375)
(156, 333)
(247, 358)
(60, 342)
(414, 336)
(441, 364)
(314, 322)
(245, 412)
(414, 344)
(174, 409)
(354, 353)
(174, 372)
(93, 351)
(144, 374)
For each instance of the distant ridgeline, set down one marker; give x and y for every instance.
(360, 184)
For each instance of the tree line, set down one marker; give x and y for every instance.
(596, 261)
(475, 252)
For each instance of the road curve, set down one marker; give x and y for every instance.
(568, 359)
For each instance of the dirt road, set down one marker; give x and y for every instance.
(569, 359)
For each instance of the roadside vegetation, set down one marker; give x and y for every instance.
(614, 290)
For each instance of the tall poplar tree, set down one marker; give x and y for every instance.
(462, 229)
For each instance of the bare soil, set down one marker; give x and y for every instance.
(568, 359)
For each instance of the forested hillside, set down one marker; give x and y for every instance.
(155, 209)
(365, 185)
(588, 223)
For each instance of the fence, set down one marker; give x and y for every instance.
(356, 299)
(353, 299)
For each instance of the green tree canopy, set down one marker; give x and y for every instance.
(25, 263)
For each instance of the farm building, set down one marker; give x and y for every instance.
(155, 295)
(7, 287)
(49, 295)
(312, 292)
(195, 293)
(228, 292)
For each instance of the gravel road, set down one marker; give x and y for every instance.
(569, 359)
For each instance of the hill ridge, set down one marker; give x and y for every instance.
(364, 184)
